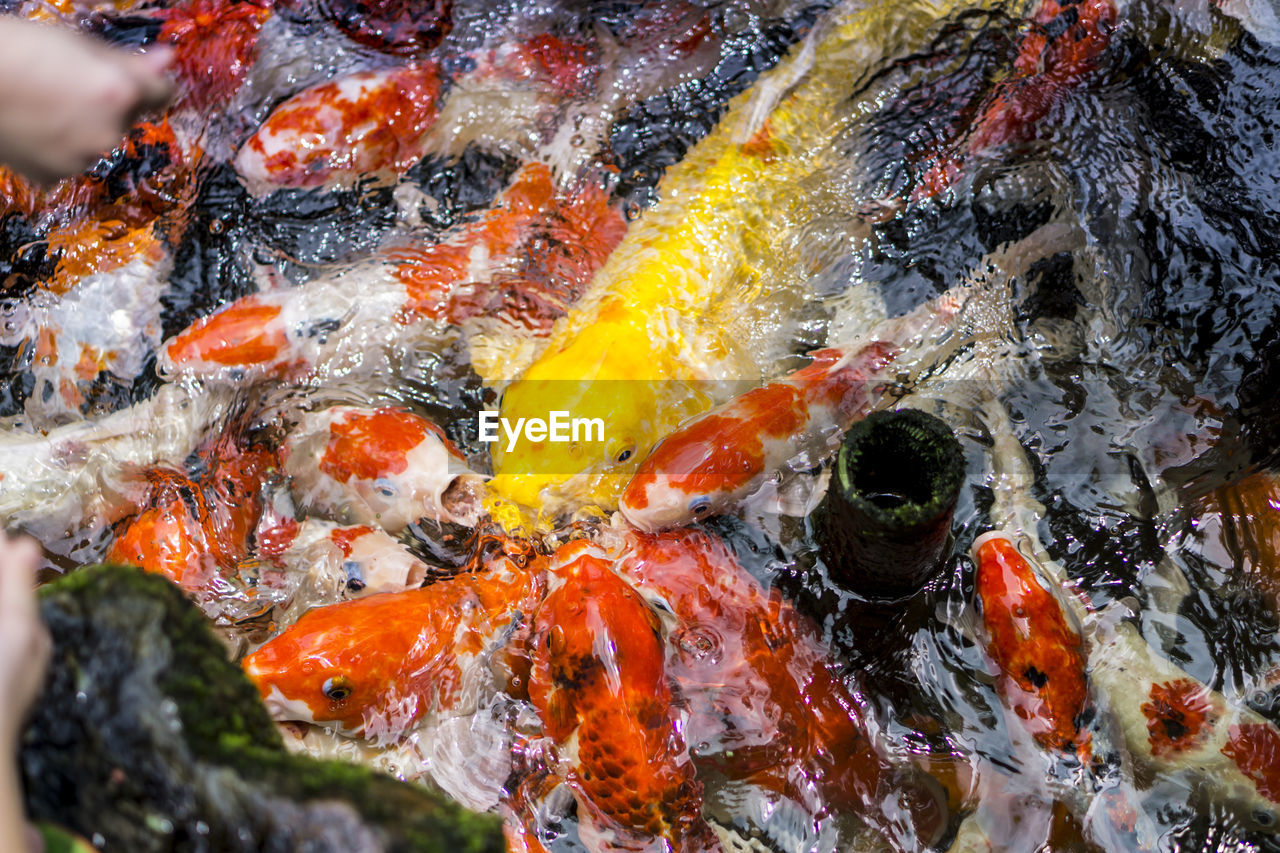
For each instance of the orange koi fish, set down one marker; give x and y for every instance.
(759, 683)
(380, 665)
(712, 462)
(1061, 47)
(369, 122)
(197, 529)
(717, 459)
(601, 688)
(481, 269)
(381, 466)
(1039, 655)
(214, 45)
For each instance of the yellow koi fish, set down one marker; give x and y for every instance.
(692, 293)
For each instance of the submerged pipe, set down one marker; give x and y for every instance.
(885, 521)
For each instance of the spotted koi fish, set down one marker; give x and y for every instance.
(1040, 656)
(329, 324)
(381, 466)
(366, 123)
(711, 463)
(601, 687)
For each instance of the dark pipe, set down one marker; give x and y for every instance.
(885, 521)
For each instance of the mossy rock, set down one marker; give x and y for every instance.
(146, 738)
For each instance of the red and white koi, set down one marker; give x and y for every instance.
(715, 460)
(367, 123)
(335, 324)
(347, 561)
(383, 466)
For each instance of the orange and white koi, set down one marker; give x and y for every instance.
(334, 324)
(383, 466)
(1040, 656)
(381, 665)
(367, 123)
(347, 561)
(715, 460)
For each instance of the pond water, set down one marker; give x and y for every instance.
(1101, 179)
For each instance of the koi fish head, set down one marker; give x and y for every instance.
(171, 537)
(618, 411)
(385, 466)
(699, 471)
(336, 666)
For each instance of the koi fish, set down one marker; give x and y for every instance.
(1175, 725)
(638, 348)
(602, 691)
(365, 123)
(382, 466)
(214, 46)
(1040, 656)
(196, 531)
(71, 346)
(83, 475)
(760, 686)
(714, 461)
(1060, 48)
(349, 561)
(329, 324)
(381, 665)
(1169, 722)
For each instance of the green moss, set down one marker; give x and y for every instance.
(147, 735)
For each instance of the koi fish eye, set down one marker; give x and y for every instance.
(337, 689)
(385, 487)
(700, 506)
(625, 453)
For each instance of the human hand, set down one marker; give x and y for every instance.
(24, 641)
(66, 99)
